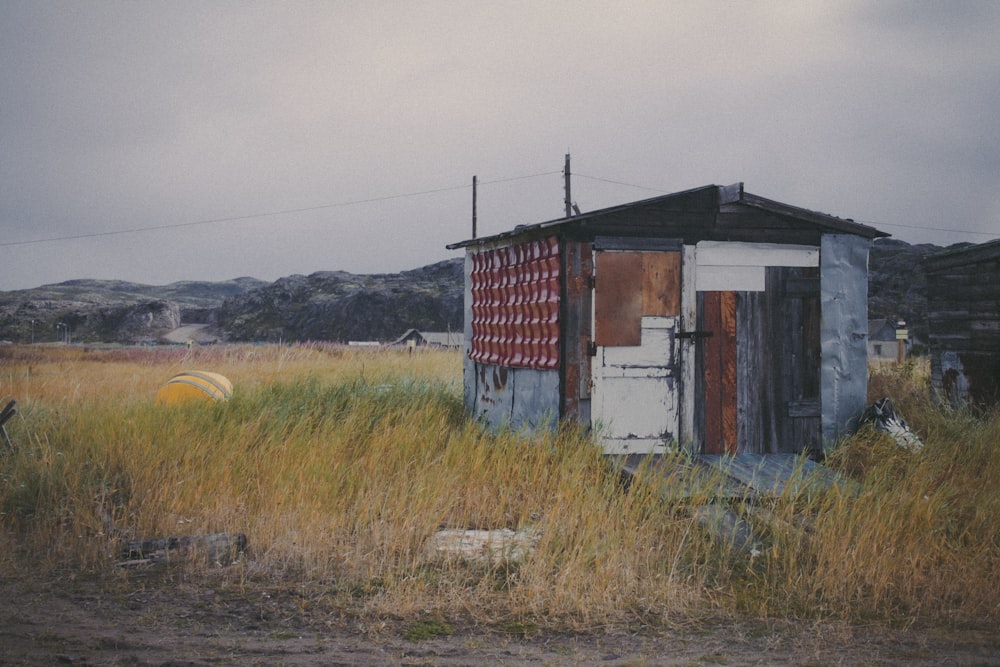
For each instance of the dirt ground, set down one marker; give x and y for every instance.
(50, 623)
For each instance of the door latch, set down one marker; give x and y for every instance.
(694, 334)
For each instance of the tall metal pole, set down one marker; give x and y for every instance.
(569, 199)
(475, 182)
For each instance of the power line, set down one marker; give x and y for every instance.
(267, 214)
(629, 185)
(928, 229)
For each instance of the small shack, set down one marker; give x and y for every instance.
(963, 317)
(416, 338)
(712, 319)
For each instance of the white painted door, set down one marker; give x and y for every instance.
(635, 394)
(635, 406)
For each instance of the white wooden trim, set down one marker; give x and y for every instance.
(725, 253)
(689, 322)
(730, 278)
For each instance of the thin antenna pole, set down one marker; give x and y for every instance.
(475, 182)
(569, 199)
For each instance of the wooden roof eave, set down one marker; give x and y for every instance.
(699, 212)
(956, 257)
(827, 222)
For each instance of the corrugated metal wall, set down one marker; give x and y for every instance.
(515, 305)
(843, 332)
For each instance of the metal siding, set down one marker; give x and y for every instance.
(843, 332)
(468, 365)
(535, 399)
(515, 305)
(517, 398)
(494, 398)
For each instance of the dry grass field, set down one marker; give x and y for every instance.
(340, 465)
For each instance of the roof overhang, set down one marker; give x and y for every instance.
(707, 200)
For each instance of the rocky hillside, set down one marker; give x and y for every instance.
(897, 284)
(335, 306)
(339, 306)
(111, 311)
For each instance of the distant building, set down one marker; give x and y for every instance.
(963, 317)
(417, 338)
(882, 342)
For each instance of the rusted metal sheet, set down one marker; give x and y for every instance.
(617, 299)
(515, 305)
(632, 284)
(661, 283)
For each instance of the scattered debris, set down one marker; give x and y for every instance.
(9, 411)
(726, 526)
(882, 414)
(216, 547)
(488, 547)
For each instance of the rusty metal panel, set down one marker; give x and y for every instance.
(630, 285)
(617, 299)
(661, 283)
(515, 305)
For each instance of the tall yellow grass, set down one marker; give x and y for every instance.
(340, 464)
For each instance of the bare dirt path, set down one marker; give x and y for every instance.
(47, 624)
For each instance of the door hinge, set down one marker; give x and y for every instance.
(592, 348)
(694, 334)
(591, 282)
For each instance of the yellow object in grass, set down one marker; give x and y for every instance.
(195, 386)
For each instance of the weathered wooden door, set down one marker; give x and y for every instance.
(635, 372)
(758, 348)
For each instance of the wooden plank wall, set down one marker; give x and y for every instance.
(963, 299)
(720, 376)
(780, 364)
(577, 335)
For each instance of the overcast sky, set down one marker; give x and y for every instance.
(272, 138)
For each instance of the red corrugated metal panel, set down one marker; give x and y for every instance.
(515, 305)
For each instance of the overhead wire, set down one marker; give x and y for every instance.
(266, 214)
(370, 200)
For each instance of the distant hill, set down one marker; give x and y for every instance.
(339, 306)
(336, 305)
(333, 306)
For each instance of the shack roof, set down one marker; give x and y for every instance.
(711, 212)
(962, 256)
